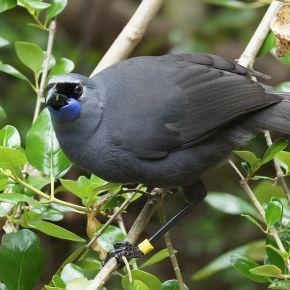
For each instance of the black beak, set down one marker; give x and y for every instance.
(54, 99)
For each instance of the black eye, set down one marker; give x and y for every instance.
(78, 90)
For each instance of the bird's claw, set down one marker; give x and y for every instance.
(123, 249)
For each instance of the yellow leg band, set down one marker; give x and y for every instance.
(145, 247)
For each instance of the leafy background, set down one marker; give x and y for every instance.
(221, 27)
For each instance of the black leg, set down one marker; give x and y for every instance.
(194, 194)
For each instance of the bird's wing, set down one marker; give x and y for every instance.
(160, 104)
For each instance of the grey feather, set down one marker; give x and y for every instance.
(163, 121)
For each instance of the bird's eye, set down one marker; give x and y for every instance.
(78, 90)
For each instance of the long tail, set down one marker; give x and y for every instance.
(275, 117)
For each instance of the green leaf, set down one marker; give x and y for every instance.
(137, 285)
(71, 272)
(254, 250)
(33, 4)
(43, 150)
(268, 44)
(161, 255)
(250, 158)
(62, 66)
(30, 55)
(72, 186)
(151, 281)
(21, 260)
(2, 113)
(3, 41)
(3, 182)
(56, 8)
(285, 59)
(55, 231)
(284, 160)
(274, 212)
(274, 256)
(265, 190)
(58, 282)
(114, 201)
(15, 198)
(8, 69)
(267, 271)
(280, 285)
(37, 182)
(172, 285)
(274, 149)
(78, 283)
(229, 203)
(71, 258)
(7, 4)
(244, 266)
(11, 158)
(9, 137)
(112, 234)
(254, 221)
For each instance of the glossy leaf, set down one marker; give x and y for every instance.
(58, 282)
(37, 182)
(172, 285)
(112, 234)
(268, 44)
(56, 8)
(62, 66)
(78, 283)
(3, 41)
(267, 271)
(42, 147)
(280, 285)
(254, 250)
(55, 231)
(71, 272)
(274, 149)
(30, 55)
(250, 158)
(273, 212)
(284, 160)
(33, 4)
(113, 202)
(15, 198)
(161, 255)
(21, 260)
(11, 158)
(254, 221)
(244, 266)
(7, 4)
(229, 203)
(265, 190)
(9, 137)
(151, 281)
(8, 69)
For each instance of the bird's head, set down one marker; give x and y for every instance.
(65, 95)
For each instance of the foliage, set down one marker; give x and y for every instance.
(32, 179)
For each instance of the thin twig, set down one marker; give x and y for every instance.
(130, 35)
(248, 56)
(110, 220)
(133, 235)
(247, 60)
(278, 168)
(171, 251)
(40, 91)
(261, 211)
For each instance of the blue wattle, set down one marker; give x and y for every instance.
(70, 111)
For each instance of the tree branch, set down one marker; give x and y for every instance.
(130, 35)
(248, 56)
(133, 235)
(247, 60)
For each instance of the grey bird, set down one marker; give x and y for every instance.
(162, 121)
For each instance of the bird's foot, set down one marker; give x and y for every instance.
(123, 249)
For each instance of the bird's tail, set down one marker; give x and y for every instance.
(275, 117)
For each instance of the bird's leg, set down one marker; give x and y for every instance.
(194, 193)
